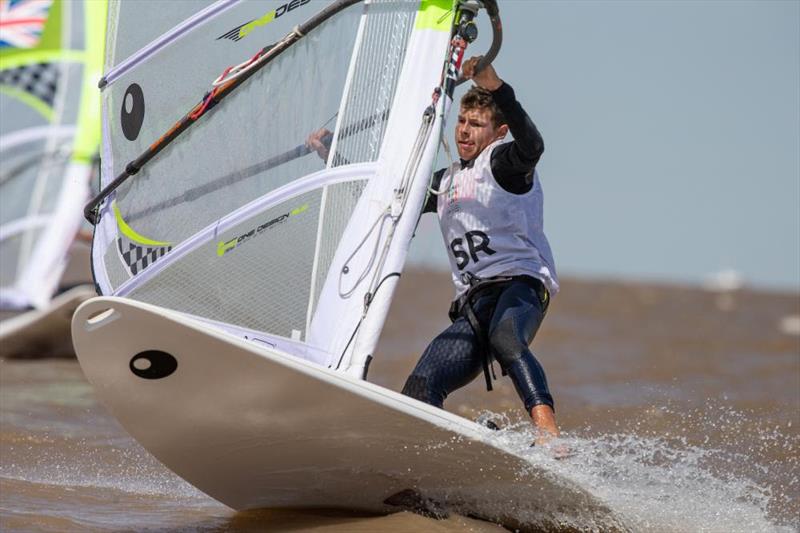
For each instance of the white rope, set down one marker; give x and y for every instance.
(250, 64)
(236, 71)
(448, 172)
(386, 213)
(401, 198)
(393, 211)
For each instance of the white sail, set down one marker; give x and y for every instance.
(247, 252)
(233, 221)
(50, 61)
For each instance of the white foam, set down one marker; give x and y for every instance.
(667, 484)
(127, 469)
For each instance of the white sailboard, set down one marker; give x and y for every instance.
(256, 429)
(43, 332)
(50, 58)
(246, 279)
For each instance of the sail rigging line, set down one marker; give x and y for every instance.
(275, 161)
(231, 73)
(91, 210)
(382, 217)
(449, 153)
(401, 197)
(368, 298)
(393, 211)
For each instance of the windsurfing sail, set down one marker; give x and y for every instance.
(50, 60)
(211, 203)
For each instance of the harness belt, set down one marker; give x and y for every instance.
(463, 306)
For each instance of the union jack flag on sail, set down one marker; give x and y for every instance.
(22, 22)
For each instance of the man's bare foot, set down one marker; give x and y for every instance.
(545, 421)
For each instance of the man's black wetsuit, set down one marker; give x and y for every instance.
(508, 313)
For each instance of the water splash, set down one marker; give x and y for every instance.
(721, 470)
(126, 468)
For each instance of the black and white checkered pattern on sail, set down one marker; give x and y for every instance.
(138, 257)
(40, 80)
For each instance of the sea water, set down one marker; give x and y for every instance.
(678, 414)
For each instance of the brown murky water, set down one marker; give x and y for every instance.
(682, 407)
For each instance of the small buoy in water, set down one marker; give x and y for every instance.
(724, 281)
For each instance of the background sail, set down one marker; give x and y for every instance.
(50, 59)
(220, 224)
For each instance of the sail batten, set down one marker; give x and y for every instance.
(209, 233)
(154, 47)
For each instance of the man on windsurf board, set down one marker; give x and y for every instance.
(489, 206)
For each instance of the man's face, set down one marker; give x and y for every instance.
(475, 131)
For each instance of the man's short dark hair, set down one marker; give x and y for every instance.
(480, 98)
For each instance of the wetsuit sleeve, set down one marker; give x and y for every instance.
(431, 199)
(513, 163)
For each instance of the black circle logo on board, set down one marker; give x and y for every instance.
(132, 113)
(153, 364)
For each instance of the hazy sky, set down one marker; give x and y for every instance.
(672, 134)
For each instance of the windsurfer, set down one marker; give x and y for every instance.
(490, 212)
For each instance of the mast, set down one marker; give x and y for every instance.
(409, 197)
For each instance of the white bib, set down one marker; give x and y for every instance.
(489, 231)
